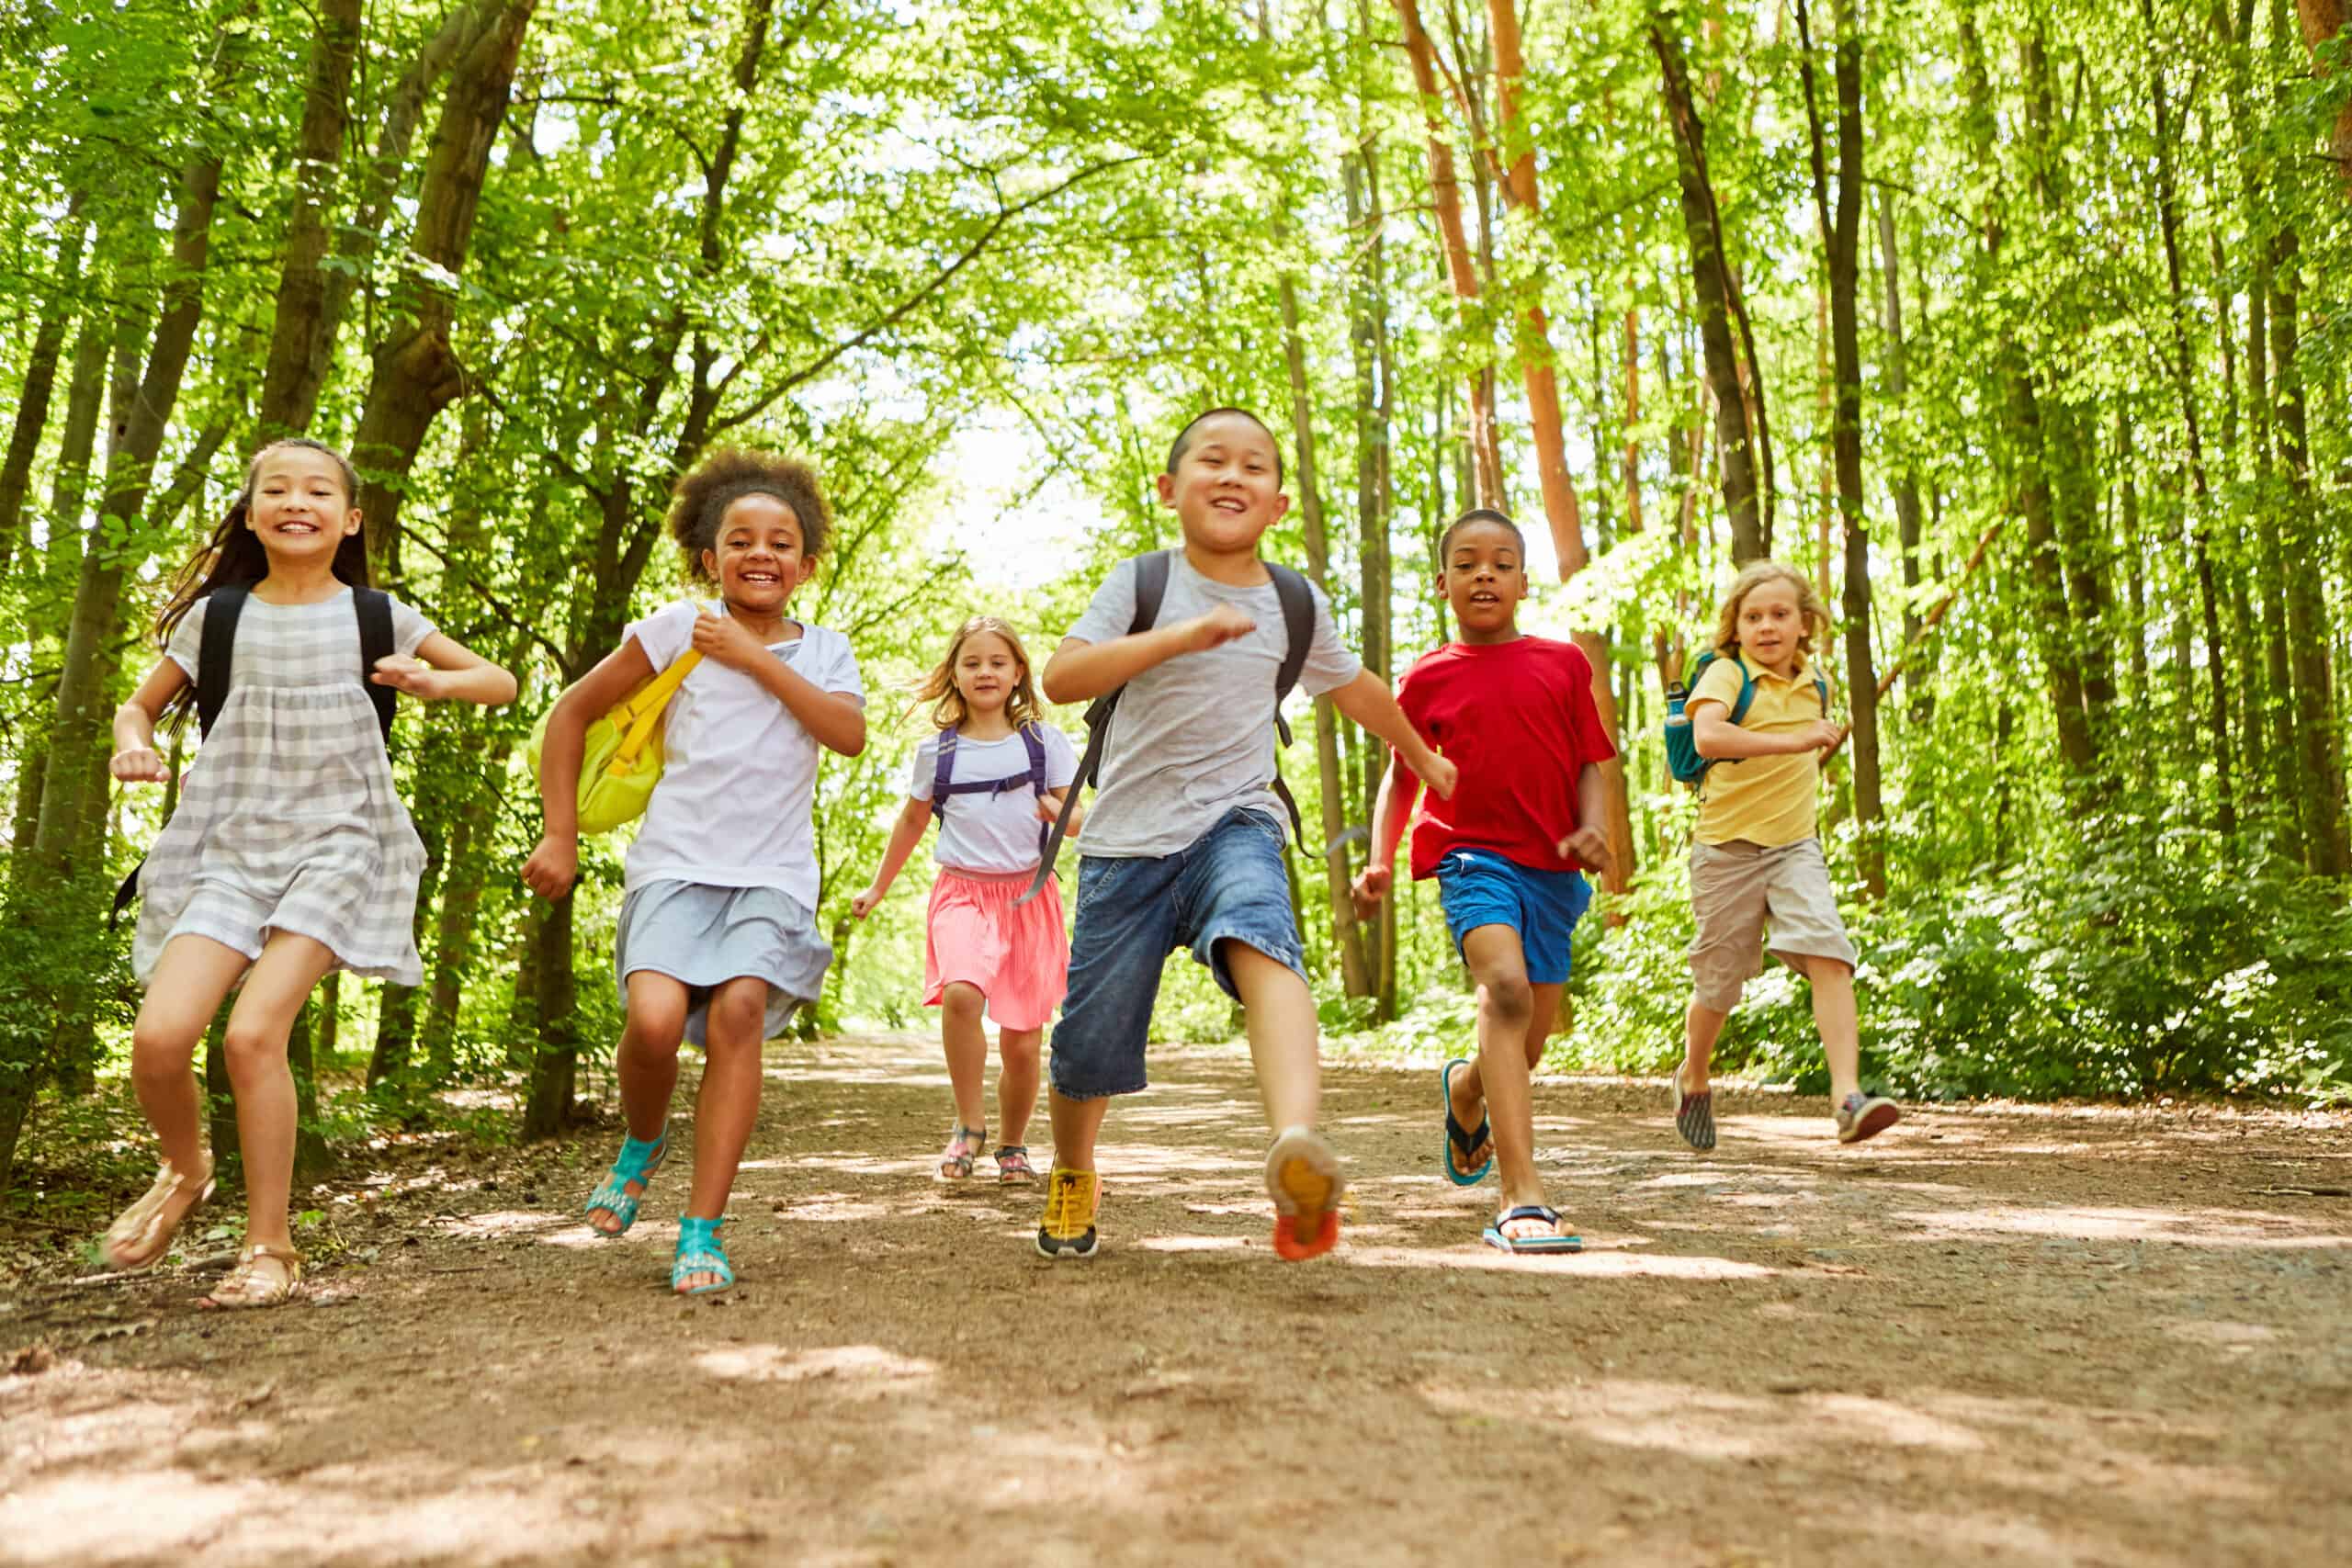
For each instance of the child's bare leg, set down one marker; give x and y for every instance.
(1077, 1124)
(1468, 1094)
(1284, 1038)
(275, 989)
(647, 1065)
(1834, 1016)
(965, 1041)
(1016, 1081)
(729, 1103)
(1508, 1044)
(1701, 1027)
(191, 980)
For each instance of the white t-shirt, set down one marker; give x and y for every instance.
(1194, 736)
(739, 780)
(992, 834)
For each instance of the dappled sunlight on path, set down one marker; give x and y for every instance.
(1986, 1338)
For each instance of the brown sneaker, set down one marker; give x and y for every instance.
(1865, 1116)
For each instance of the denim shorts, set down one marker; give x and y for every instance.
(1228, 885)
(1479, 888)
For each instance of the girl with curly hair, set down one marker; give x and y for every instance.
(993, 775)
(718, 941)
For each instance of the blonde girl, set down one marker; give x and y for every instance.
(289, 853)
(1755, 860)
(718, 939)
(993, 774)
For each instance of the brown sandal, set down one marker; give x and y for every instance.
(142, 1233)
(248, 1285)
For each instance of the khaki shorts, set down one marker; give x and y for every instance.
(1738, 889)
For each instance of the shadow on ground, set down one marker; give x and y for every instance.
(2094, 1337)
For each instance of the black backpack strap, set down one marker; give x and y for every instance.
(216, 653)
(374, 607)
(941, 773)
(1151, 587)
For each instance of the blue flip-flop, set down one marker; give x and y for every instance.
(1497, 1237)
(1458, 1139)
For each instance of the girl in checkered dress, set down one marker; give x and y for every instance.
(288, 855)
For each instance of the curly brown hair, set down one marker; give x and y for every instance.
(699, 501)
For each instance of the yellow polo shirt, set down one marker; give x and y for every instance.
(1764, 800)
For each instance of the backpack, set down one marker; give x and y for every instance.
(1297, 598)
(213, 657)
(1682, 749)
(1035, 778)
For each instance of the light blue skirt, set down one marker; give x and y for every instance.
(706, 936)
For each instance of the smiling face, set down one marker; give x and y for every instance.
(987, 673)
(1227, 485)
(300, 509)
(1484, 577)
(757, 561)
(1770, 622)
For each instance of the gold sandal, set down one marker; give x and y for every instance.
(248, 1285)
(141, 1234)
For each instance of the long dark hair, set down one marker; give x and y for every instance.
(233, 553)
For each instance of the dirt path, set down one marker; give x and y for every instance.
(2085, 1338)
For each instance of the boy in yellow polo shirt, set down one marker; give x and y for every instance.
(1755, 860)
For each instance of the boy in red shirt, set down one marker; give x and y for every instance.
(1515, 713)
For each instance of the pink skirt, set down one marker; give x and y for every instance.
(1018, 957)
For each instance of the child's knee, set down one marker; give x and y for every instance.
(657, 1025)
(162, 1050)
(1020, 1046)
(738, 1017)
(1507, 998)
(962, 1001)
(253, 1052)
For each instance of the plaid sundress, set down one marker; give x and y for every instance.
(288, 819)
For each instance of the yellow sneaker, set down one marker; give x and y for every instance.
(1067, 1229)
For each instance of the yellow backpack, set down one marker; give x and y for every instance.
(621, 755)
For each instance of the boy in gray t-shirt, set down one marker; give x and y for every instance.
(1184, 846)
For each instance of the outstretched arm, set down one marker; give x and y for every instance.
(905, 834)
(1366, 700)
(1080, 671)
(1717, 737)
(445, 669)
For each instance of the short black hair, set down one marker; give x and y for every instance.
(1479, 514)
(1184, 437)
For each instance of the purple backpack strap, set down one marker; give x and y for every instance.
(1035, 740)
(943, 772)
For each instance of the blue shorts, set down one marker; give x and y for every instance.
(1479, 888)
(1228, 885)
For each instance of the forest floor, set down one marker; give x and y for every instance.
(2075, 1335)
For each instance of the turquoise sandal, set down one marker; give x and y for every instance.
(699, 1252)
(638, 1162)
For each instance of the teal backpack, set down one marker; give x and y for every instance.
(1681, 750)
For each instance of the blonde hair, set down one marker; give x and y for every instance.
(938, 688)
(1755, 575)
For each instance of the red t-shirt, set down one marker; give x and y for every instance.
(1518, 718)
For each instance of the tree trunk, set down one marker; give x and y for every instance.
(2322, 21)
(72, 792)
(416, 373)
(461, 913)
(1354, 973)
(1737, 448)
(302, 339)
(1545, 424)
(1843, 234)
(1445, 193)
(41, 380)
(2321, 791)
(554, 1069)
